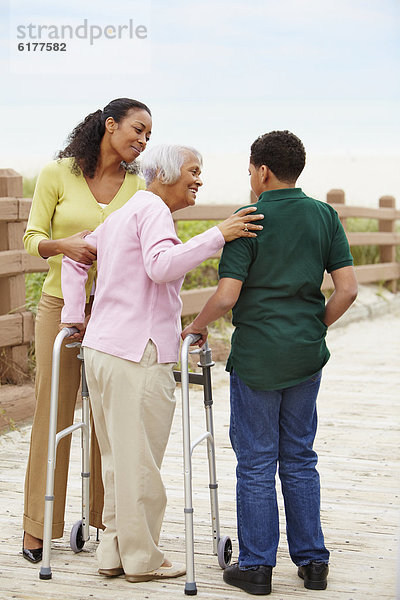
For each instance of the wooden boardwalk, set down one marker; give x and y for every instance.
(358, 445)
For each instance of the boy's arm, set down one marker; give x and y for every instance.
(224, 298)
(345, 293)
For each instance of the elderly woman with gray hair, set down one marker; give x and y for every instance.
(131, 344)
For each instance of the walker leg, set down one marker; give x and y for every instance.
(190, 586)
(222, 546)
(190, 589)
(85, 474)
(45, 569)
(212, 471)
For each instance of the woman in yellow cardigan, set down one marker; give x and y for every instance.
(94, 175)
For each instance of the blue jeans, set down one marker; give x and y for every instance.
(270, 427)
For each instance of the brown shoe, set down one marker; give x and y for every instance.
(160, 573)
(112, 572)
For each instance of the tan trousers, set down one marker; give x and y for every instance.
(47, 322)
(133, 405)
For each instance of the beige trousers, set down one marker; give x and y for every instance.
(47, 322)
(133, 405)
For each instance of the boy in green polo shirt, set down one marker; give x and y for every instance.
(273, 284)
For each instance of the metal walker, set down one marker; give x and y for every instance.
(222, 546)
(80, 530)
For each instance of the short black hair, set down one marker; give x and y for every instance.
(282, 152)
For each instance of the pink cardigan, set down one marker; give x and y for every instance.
(141, 265)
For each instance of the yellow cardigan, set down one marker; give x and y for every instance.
(63, 205)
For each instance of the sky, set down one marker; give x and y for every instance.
(217, 74)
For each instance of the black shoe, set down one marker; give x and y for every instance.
(254, 581)
(34, 556)
(315, 575)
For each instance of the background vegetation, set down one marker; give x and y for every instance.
(28, 186)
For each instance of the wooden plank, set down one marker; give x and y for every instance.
(11, 331)
(14, 365)
(221, 211)
(337, 198)
(9, 209)
(370, 238)
(11, 262)
(384, 214)
(209, 212)
(194, 300)
(10, 183)
(387, 254)
(17, 404)
(12, 289)
(24, 207)
(28, 327)
(16, 332)
(14, 262)
(16, 329)
(34, 264)
(15, 234)
(212, 211)
(12, 293)
(369, 274)
(14, 357)
(17, 293)
(378, 272)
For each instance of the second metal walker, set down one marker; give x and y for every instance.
(222, 546)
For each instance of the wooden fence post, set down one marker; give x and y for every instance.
(388, 253)
(337, 197)
(13, 360)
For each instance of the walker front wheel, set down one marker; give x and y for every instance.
(224, 552)
(76, 540)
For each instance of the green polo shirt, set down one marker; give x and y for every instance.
(279, 336)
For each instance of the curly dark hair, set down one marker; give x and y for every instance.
(282, 152)
(83, 143)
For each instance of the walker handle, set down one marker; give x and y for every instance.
(70, 330)
(194, 337)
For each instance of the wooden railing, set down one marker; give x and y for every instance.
(16, 323)
(387, 270)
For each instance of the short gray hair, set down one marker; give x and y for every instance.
(164, 162)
